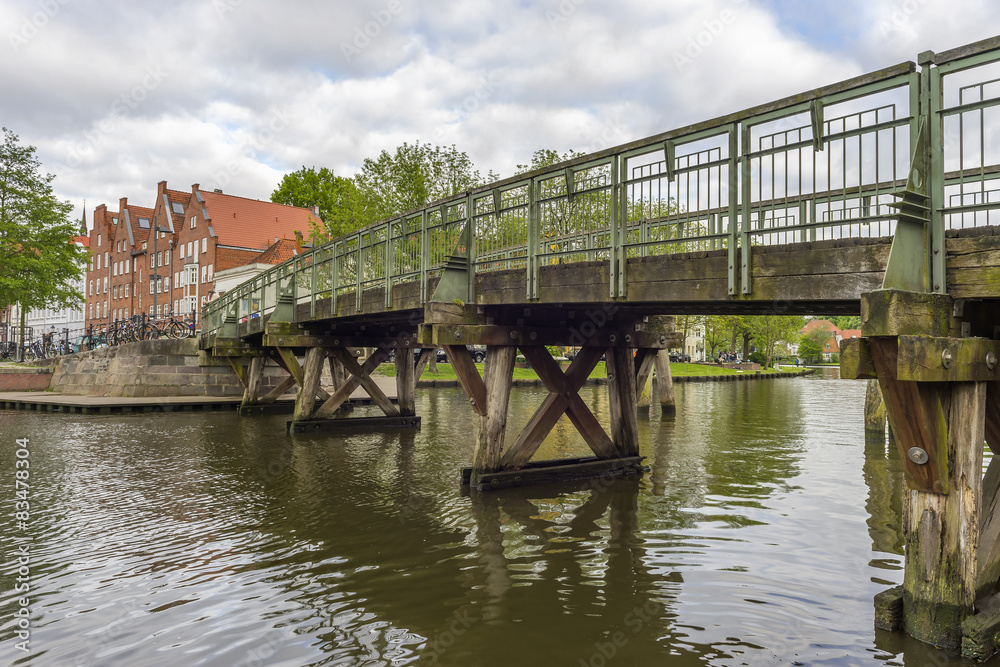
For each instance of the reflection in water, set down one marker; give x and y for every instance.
(760, 536)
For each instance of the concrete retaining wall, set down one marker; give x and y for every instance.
(151, 368)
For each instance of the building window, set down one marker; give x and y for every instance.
(91, 311)
(114, 269)
(166, 283)
(181, 250)
(204, 274)
(98, 239)
(91, 287)
(166, 257)
(151, 285)
(204, 245)
(190, 252)
(210, 271)
(105, 291)
(194, 221)
(177, 282)
(126, 290)
(97, 262)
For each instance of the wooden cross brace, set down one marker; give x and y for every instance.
(490, 399)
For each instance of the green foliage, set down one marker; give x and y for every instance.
(758, 357)
(846, 322)
(39, 263)
(810, 349)
(416, 174)
(341, 206)
(769, 330)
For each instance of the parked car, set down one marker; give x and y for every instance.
(478, 353)
(677, 357)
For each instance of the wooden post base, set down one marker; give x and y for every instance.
(551, 472)
(352, 424)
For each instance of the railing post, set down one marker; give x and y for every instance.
(359, 273)
(470, 212)
(614, 257)
(534, 239)
(425, 252)
(334, 277)
(389, 249)
(734, 175)
(312, 284)
(930, 110)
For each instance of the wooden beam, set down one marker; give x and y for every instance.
(621, 395)
(406, 381)
(568, 386)
(531, 436)
(238, 364)
(918, 418)
(942, 531)
(278, 391)
(305, 401)
(993, 416)
(425, 356)
(364, 377)
(665, 385)
(607, 336)
(468, 376)
(644, 359)
(874, 412)
(493, 426)
(255, 380)
(902, 313)
(856, 360)
(287, 360)
(988, 561)
(353, 382)
(936, 359)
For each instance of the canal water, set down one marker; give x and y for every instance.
(759, 538)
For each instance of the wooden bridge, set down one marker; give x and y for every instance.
(878, 195)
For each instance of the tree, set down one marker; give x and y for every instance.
(39, 263)
(769, 330)
(341, 207)
(717, 332)
(846, 322)
(810, 349)
(416, 174)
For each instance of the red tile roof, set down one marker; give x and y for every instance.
(283, 249)
(138, 233)
(82, 240)
(251, 223)
(850, 333)
(229, 258)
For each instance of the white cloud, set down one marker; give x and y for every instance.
(252, 89)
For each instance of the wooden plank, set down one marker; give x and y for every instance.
(621, 397)
(305, 401)
(918, 419)
(939, 359)
(942, 531)
(856, 360)
(665, 385)
(363, 376)
(988, 558)
(406, 382)
(278, 391)
(607, 335)
(874, 412)
(468, 376)
(338, 374)
(493, 426)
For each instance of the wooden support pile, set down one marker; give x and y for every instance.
(942, 400)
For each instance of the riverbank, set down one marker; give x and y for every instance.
(445, 376)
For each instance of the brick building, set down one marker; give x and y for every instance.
(163, 259)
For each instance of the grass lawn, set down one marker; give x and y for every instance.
(445, 371)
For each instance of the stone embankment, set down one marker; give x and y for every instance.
(150, 368)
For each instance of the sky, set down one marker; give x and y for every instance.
(233, 94)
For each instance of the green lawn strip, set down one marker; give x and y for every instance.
(445, 371)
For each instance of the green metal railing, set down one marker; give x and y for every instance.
(826, 164)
